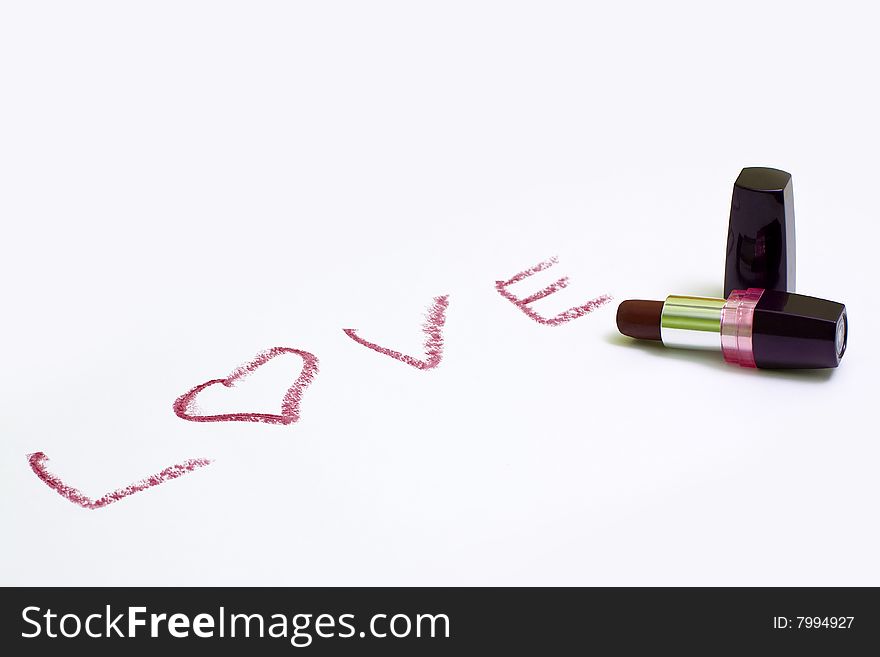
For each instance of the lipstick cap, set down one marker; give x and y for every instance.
(760, 239)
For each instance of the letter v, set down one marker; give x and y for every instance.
(433, 328)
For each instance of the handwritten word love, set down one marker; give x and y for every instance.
(185, 406)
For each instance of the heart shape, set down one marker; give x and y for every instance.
(183, 406)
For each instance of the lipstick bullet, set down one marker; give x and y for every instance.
(768, 329)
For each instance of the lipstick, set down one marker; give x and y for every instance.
(768, 329)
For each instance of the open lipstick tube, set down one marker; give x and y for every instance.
(768, 329)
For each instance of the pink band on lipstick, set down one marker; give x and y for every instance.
(737, 318)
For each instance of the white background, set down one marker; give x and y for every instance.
(183, 184)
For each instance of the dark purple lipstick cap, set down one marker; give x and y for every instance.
(760, 239)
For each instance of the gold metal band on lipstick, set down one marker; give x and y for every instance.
(691, 322)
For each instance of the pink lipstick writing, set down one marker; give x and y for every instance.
(184, 406)
(523, 304)
(433, 328)
(37, 461)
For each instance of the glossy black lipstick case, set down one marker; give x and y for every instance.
(760, 238)
(797, 331)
